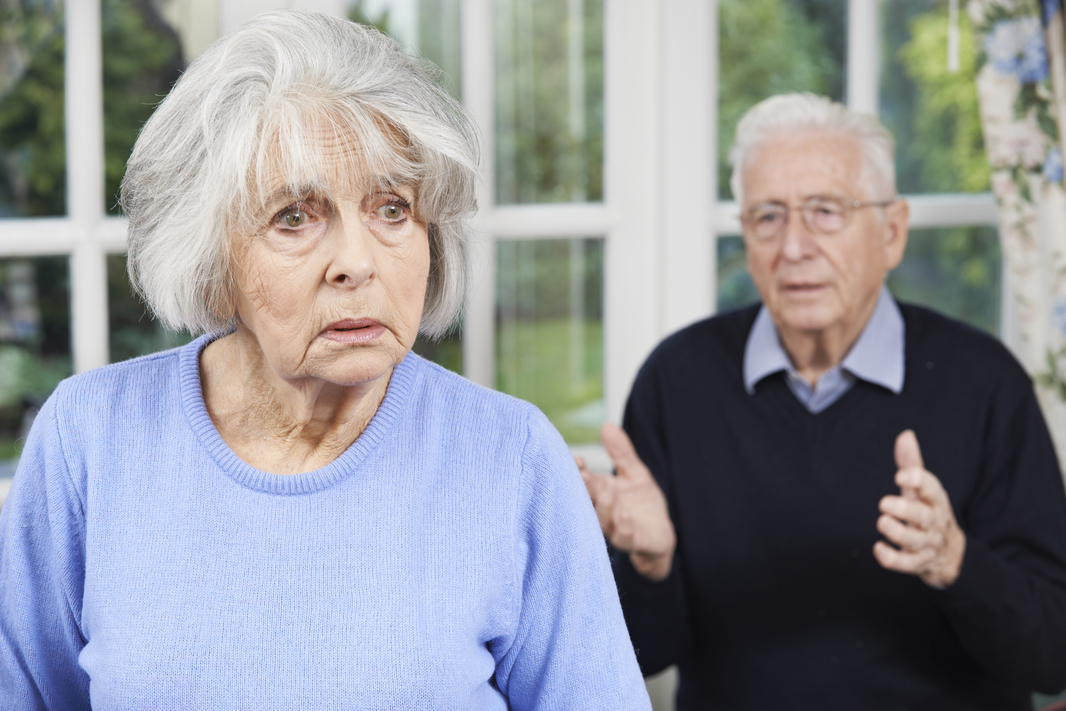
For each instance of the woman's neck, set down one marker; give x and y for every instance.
(277, 425)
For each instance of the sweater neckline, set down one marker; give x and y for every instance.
(397, 394)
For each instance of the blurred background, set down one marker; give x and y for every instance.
(606, 218)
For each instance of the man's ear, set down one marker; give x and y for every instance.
(897, 221)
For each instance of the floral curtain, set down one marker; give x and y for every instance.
(1021, 85)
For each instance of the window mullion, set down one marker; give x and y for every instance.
(478, 81)
(84, 116)
(864, 43)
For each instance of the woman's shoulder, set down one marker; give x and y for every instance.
(462, 410)
(144, 380)
(448, 389)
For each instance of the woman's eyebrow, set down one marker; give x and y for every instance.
(289, 193)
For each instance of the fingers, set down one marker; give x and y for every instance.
(620, 449)
(922, 485)
(901, 561)
(908, 453)
(913, 512)
(920, 522)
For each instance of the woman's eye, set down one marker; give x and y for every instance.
(294, 218)
(391, 212)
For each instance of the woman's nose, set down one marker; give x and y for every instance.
(352, 251)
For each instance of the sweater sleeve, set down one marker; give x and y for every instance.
(656, 613)
(1008, 606)
(569, 648)
(42, 573)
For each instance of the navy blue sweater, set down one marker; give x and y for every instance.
(775, 599)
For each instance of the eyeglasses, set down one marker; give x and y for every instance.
(766, 221)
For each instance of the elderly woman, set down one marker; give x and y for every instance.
(294, 510)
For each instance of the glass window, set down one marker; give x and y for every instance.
(769, 47)
(426, 27)
(32, 130)
(931, 111)
(142, 58)
(735, 287)
(549, 100)
(34, 342)
(955, 271)
(549, 330)
(132, 331)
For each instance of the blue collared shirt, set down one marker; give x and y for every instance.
(876, 357)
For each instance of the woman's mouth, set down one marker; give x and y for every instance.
(353, 331)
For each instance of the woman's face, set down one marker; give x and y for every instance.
(332, 286)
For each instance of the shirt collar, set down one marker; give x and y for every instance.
(876, 357)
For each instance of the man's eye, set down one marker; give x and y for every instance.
(827, 208)
(768, 217)
(294, 218)
(391, 211)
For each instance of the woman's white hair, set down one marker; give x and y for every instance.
(256, 102)
(806, 111)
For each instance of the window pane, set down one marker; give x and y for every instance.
(549, 330)
(34, 342)
(768, 47)
(932, 112)
(549, 100)
(955, 271)
(32, 141)
(132, 331)
(142, 58)
(735, 287)
(429, 28)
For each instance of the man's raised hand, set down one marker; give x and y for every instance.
(631, 507)
(920, 521)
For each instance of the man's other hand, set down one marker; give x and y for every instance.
(631, 507)
(920, 522)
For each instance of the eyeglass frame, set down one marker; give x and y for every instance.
(850, 206)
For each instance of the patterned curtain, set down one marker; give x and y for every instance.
(1021, 85)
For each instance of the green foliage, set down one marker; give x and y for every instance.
(32, 140)
(548, 147)
(944, 136)
(536, 362)
(132, 331)
(768, 47)
(955, 271)
(358, 12)
(1054, 379)
(141, 60)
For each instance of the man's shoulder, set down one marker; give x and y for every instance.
(931, 336)
(722, 336)
(709, 351)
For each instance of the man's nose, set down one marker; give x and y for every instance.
(798, 240)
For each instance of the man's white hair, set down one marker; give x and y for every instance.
(257, 101)
(810, 112)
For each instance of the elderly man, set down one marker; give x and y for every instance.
(847, 503)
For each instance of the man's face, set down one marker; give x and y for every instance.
(817, 285)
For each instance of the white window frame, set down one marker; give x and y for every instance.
(660, 219)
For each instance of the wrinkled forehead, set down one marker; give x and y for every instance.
(331, 157)
(802, 163)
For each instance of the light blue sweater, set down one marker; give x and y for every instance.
(449, 559)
